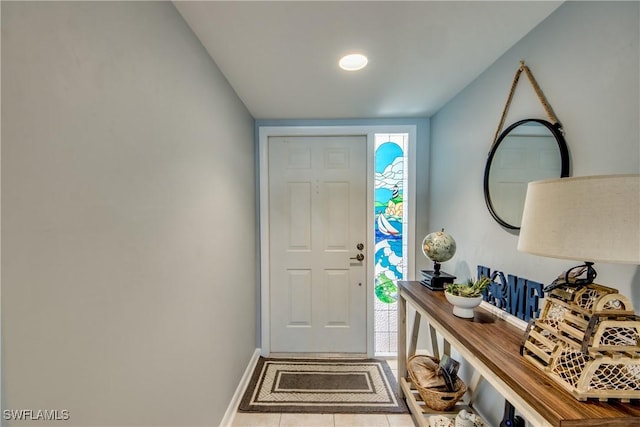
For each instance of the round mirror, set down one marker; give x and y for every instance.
(528, 150)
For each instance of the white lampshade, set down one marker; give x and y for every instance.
(592, 219)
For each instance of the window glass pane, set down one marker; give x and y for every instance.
(390, 234)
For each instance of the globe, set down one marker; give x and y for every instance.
(439, 247)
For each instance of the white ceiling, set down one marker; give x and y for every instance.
(281, 57)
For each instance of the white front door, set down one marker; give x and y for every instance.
(317, 222)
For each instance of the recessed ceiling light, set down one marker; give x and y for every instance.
(353, 62)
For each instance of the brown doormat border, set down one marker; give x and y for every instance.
(322, 386)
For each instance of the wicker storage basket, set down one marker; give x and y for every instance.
(438, 398)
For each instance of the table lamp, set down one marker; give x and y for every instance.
(590, 219)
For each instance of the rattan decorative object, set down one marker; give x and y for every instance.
(588, 341)
(438, 398)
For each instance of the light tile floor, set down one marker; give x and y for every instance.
(244, 419)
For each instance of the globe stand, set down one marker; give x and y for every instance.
(436, 279)
(436, 268)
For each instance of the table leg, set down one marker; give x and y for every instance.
(473, 387)
(434, 341)
(402, 341)
(414, 335)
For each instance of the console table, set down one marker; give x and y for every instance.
(492, 347)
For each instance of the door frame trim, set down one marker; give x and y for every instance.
(264, 132)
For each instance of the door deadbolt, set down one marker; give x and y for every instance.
(358, 257)
(360, 246)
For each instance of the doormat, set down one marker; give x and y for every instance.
(322, 386)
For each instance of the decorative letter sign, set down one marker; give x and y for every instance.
(515, 295)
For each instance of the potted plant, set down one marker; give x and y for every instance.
(466, 296)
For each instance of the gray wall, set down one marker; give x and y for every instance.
(585, 58)
(128, 217)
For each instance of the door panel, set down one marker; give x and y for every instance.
(336, 206)
(299, 298)
(299, 226)
(317, 216)
(337, 285)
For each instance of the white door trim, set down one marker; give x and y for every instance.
(263, 137)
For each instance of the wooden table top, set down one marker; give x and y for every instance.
(496, 343)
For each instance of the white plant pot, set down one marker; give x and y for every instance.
(463, 306)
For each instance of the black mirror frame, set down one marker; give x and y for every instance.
(556, 130)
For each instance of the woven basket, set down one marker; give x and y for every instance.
(438, 398)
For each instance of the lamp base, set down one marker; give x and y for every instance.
(436, 281)
(578, 276)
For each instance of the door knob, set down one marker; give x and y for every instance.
(358, 257)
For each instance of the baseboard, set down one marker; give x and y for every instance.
(229, 415)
